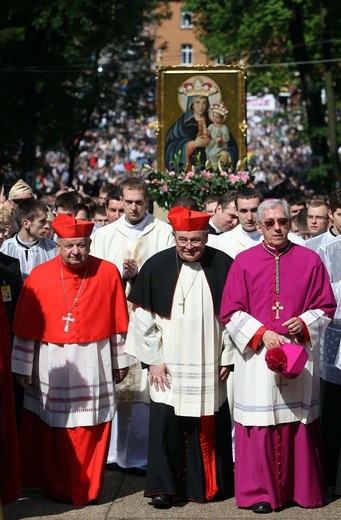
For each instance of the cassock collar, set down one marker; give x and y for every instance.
(274, 251)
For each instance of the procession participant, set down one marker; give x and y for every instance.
(276, 292)
(245, 234)
(28, 245)
(331, 372)
(318, 242)
(113, 206)
(225, 215)
(19, 191)
(68, 357)
(128, 243)
(175, 330)
(317, 217)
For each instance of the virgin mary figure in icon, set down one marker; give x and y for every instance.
(188, 137)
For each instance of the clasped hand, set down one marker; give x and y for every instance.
(271, 339)
(130, 268)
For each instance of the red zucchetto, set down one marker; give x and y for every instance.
(185, 219)
(66, 226)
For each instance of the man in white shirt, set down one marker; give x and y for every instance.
(334, 213)
(28, 245)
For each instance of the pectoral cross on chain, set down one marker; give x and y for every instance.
(68, 319)
(277, 307)
(183, 305)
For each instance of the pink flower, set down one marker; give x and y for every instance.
(223, 174)
(164, 188)
(207, 175)
(171, 174)
(244, 176)
(154, 181)
(190, 174)
(233, 178)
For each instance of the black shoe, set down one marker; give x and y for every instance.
(262, 507)
(162, 501)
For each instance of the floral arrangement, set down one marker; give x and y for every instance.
(166, 186)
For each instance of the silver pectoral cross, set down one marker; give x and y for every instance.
(182, 304)
(277, 307)
(68, 319)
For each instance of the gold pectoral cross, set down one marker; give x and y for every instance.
(277, 307)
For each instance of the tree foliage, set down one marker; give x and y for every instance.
(283, 43)
(50, 57)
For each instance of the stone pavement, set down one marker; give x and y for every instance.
(122, 499)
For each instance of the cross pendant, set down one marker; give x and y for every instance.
(277, 307)
(183, 305)
(68, 319)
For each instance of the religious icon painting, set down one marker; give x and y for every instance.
(201, 117)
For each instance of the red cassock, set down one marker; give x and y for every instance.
(69, 462)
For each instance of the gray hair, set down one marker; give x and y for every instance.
(272, 204)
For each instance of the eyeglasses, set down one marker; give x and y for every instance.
(317, 217)
(192, 241)
(270, 222)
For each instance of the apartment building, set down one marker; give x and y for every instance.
(175, 41)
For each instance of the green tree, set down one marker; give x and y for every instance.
(58, 63)
(283, 43)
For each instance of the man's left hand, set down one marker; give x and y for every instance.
(294, 325)
(120, 374)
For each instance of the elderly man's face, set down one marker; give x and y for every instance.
(190, 245)
(74, 252)
(274, 227)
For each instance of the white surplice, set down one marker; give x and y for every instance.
(262, 398)
(190, 343)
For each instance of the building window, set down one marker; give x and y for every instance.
(186, 20)
(186, 54)
(220, 60)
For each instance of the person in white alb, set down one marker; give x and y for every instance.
(129, 242)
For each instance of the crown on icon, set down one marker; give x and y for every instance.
(220, 108)
(198, 87)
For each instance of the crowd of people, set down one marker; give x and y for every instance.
(117, 144)
(161, 347)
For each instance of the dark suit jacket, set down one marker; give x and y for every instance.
(10, 275)
(213, 231)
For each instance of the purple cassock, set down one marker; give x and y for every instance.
(278, 455)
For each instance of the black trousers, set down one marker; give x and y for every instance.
(175, 464)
